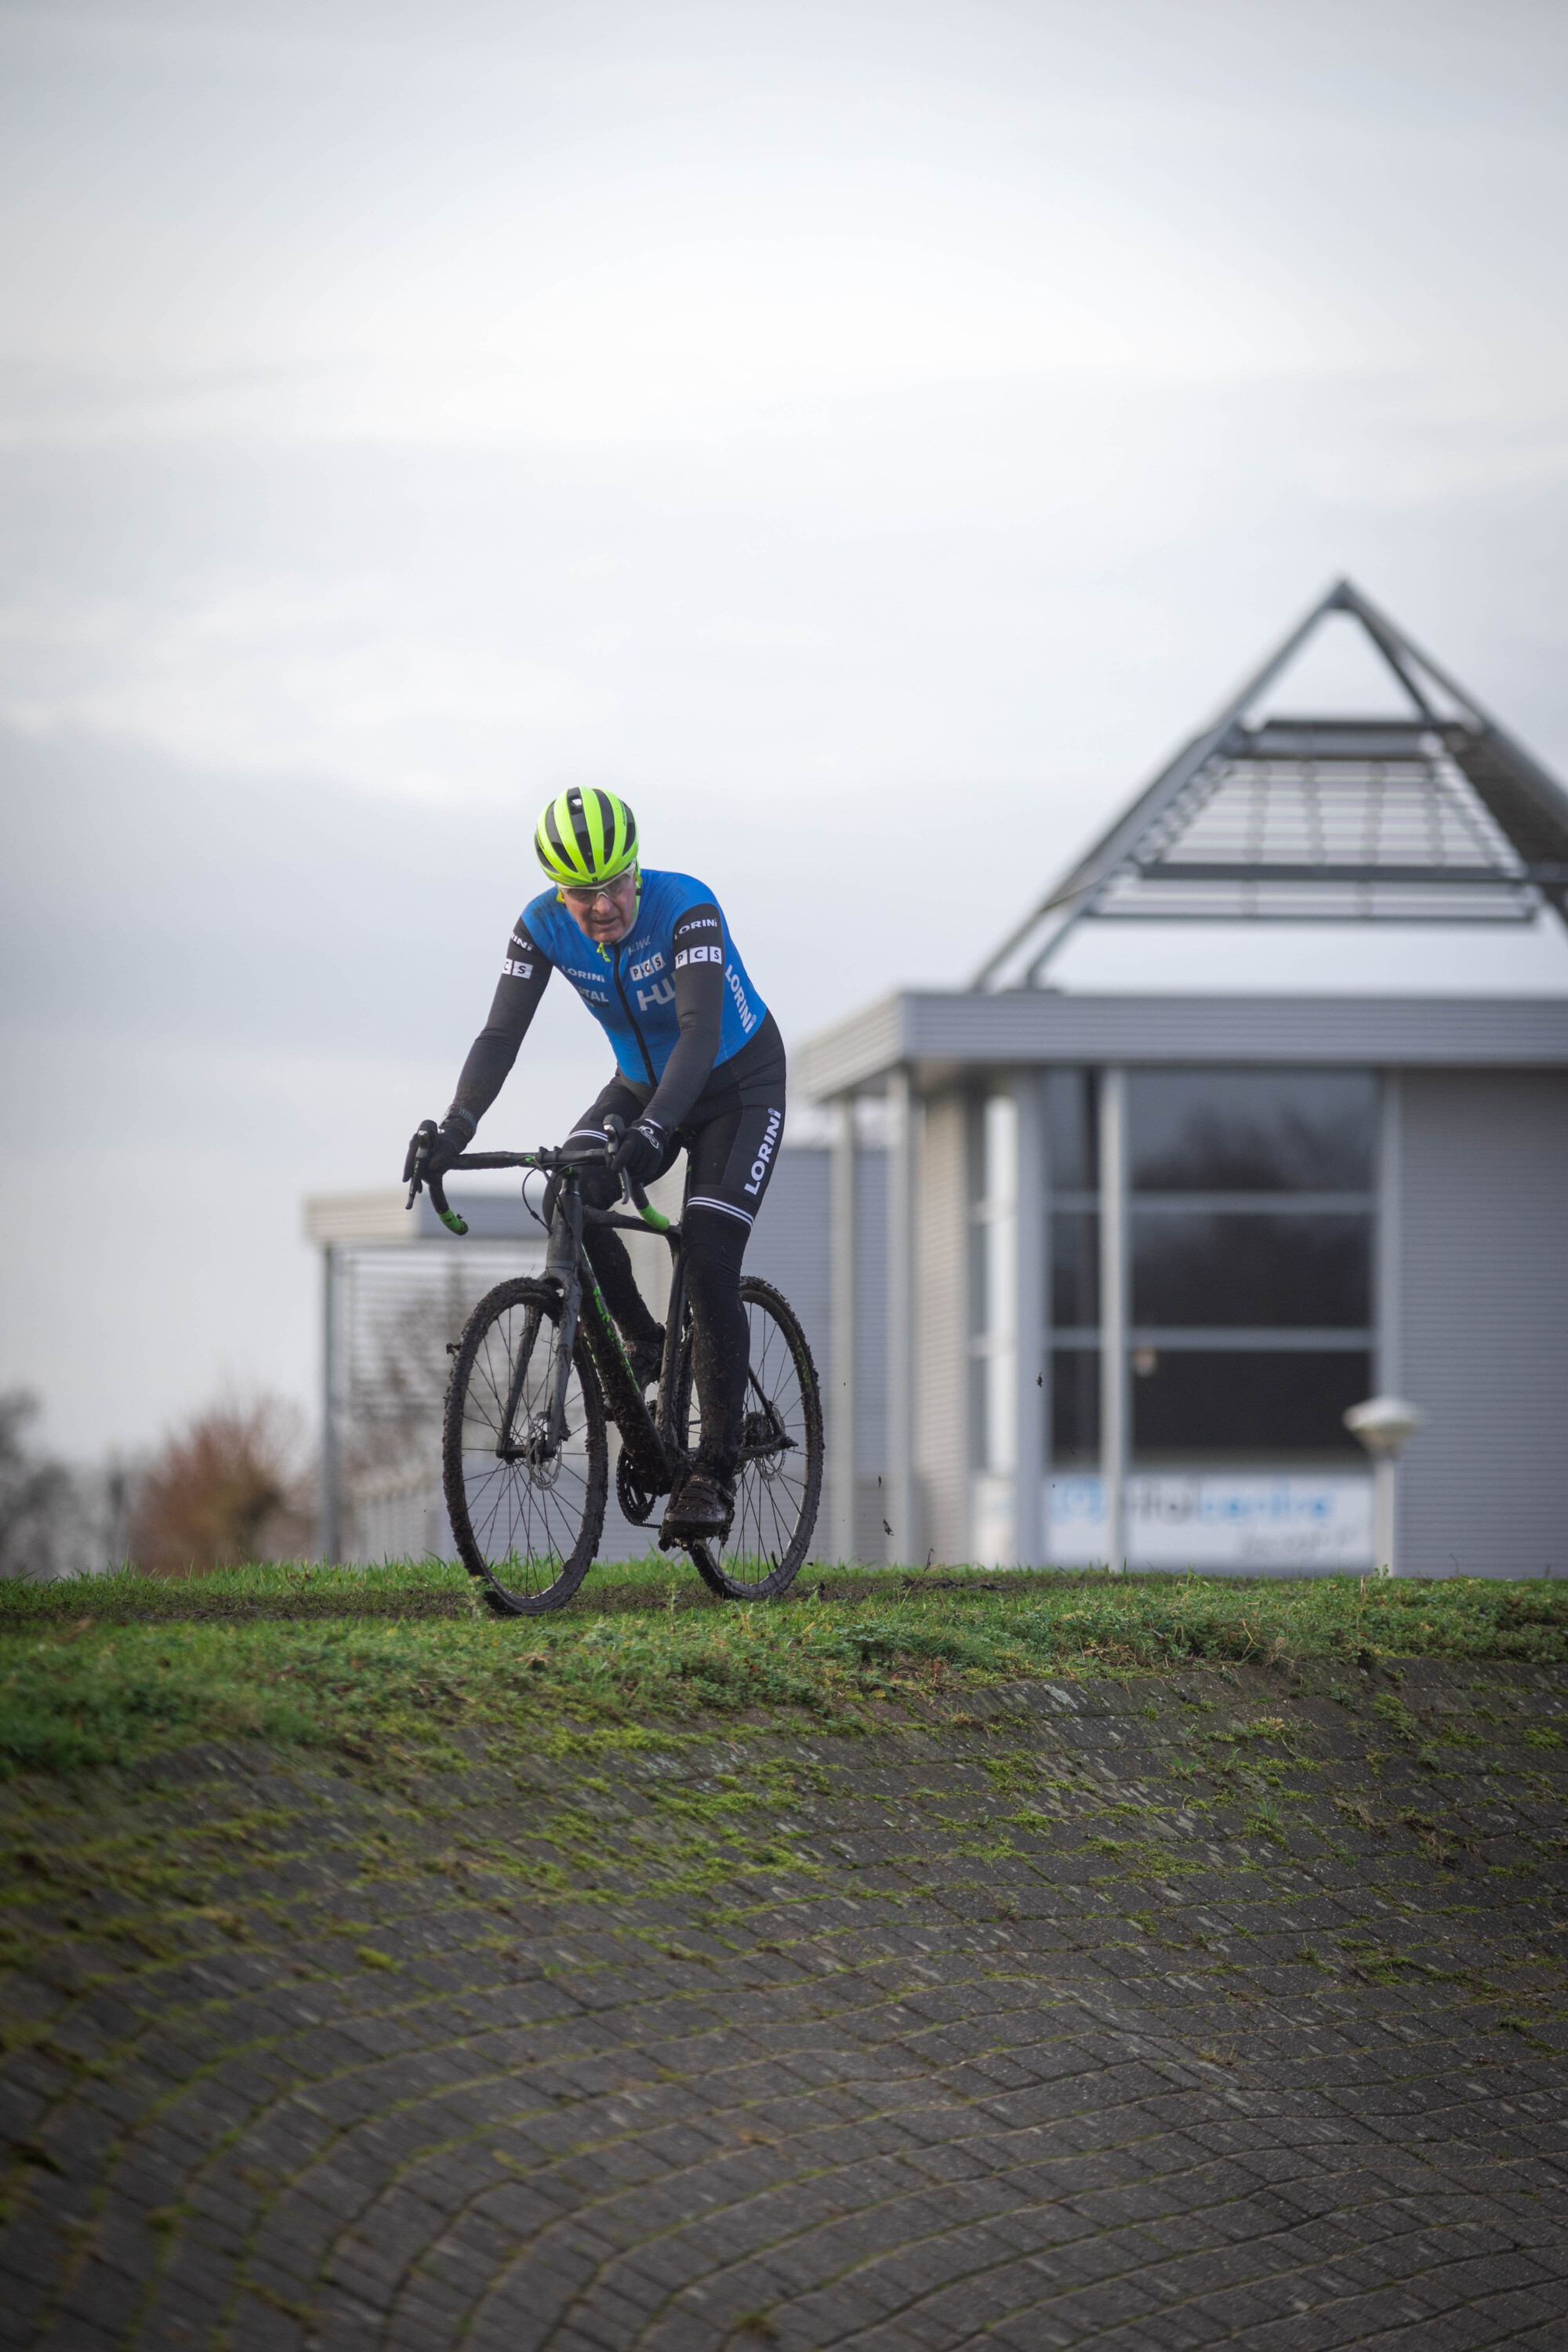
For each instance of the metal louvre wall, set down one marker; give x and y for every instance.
(399, 1309)
(396, 1310)
(1484, 1284)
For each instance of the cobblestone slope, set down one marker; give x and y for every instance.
(1213, 2011)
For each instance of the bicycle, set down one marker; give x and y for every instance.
(525, 1450)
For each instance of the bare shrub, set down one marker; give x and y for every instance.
(231, 1485)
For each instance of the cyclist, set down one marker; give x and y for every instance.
(699, 1066)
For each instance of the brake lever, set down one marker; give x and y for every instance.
(615, 1127)
(424, 1136)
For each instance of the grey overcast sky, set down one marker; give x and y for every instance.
(869, 436)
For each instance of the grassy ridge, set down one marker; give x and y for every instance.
(376, 1662)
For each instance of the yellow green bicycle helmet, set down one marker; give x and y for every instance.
(586, 837)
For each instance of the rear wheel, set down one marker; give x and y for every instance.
(778, 1482)
(526, 1499)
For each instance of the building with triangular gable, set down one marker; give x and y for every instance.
(1131, 1258)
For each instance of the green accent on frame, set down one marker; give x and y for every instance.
(608, 1320)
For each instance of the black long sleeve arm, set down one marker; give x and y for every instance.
(699, 979)
(524, 976)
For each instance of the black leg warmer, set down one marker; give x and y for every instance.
(720, 1341)
(611, 1261)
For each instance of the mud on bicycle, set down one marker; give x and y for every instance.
(540, 1372)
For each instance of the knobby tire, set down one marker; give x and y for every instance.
(777, 1495)
(527, 1530)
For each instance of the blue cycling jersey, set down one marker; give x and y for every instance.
(629, 988)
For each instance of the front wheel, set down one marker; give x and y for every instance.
(778, 1481)
(524, 1459)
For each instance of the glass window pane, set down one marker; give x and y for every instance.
(1072, 1129)
(1251, 1270)
(1252, 1130)
(1075, 1267)
(1191, 1403)
(1075, 1407)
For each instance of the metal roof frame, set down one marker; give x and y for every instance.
(1492, 823)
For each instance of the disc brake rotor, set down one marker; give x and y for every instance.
(535, 1453)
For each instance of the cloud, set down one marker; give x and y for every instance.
(871, 438)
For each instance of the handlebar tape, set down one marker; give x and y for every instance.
(449, 1217)
(646, 1209)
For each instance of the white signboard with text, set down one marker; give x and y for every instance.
(1218, 1519)
(1288, 1520)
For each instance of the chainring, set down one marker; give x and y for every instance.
(635, 1501)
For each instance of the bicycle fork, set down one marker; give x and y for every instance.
(561, 1266)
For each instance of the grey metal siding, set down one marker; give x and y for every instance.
(789, 1241)
(942, 1363)
(871, 1350)
(841, 1057)
(1484, 1314)
(790, 1248)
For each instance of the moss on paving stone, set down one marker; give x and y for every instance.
(469, 1999)
(383, 1663)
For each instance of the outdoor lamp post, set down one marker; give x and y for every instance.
(1385, 1424)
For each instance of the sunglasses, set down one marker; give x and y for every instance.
(585, 899)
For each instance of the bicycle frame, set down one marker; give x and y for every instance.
(654, 1453)
(623, 1397)
(649, 1440)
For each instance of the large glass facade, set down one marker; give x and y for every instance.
(1252, 1130)
(1075, 1269)
(1228, 1268)
(1222, 1405)
(1075, 1408)
(1249, 1238)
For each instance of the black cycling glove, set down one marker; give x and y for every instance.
(453, 1136)
(641, 1151)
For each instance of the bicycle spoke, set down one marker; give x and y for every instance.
(779, 1473)
(526, 1514)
